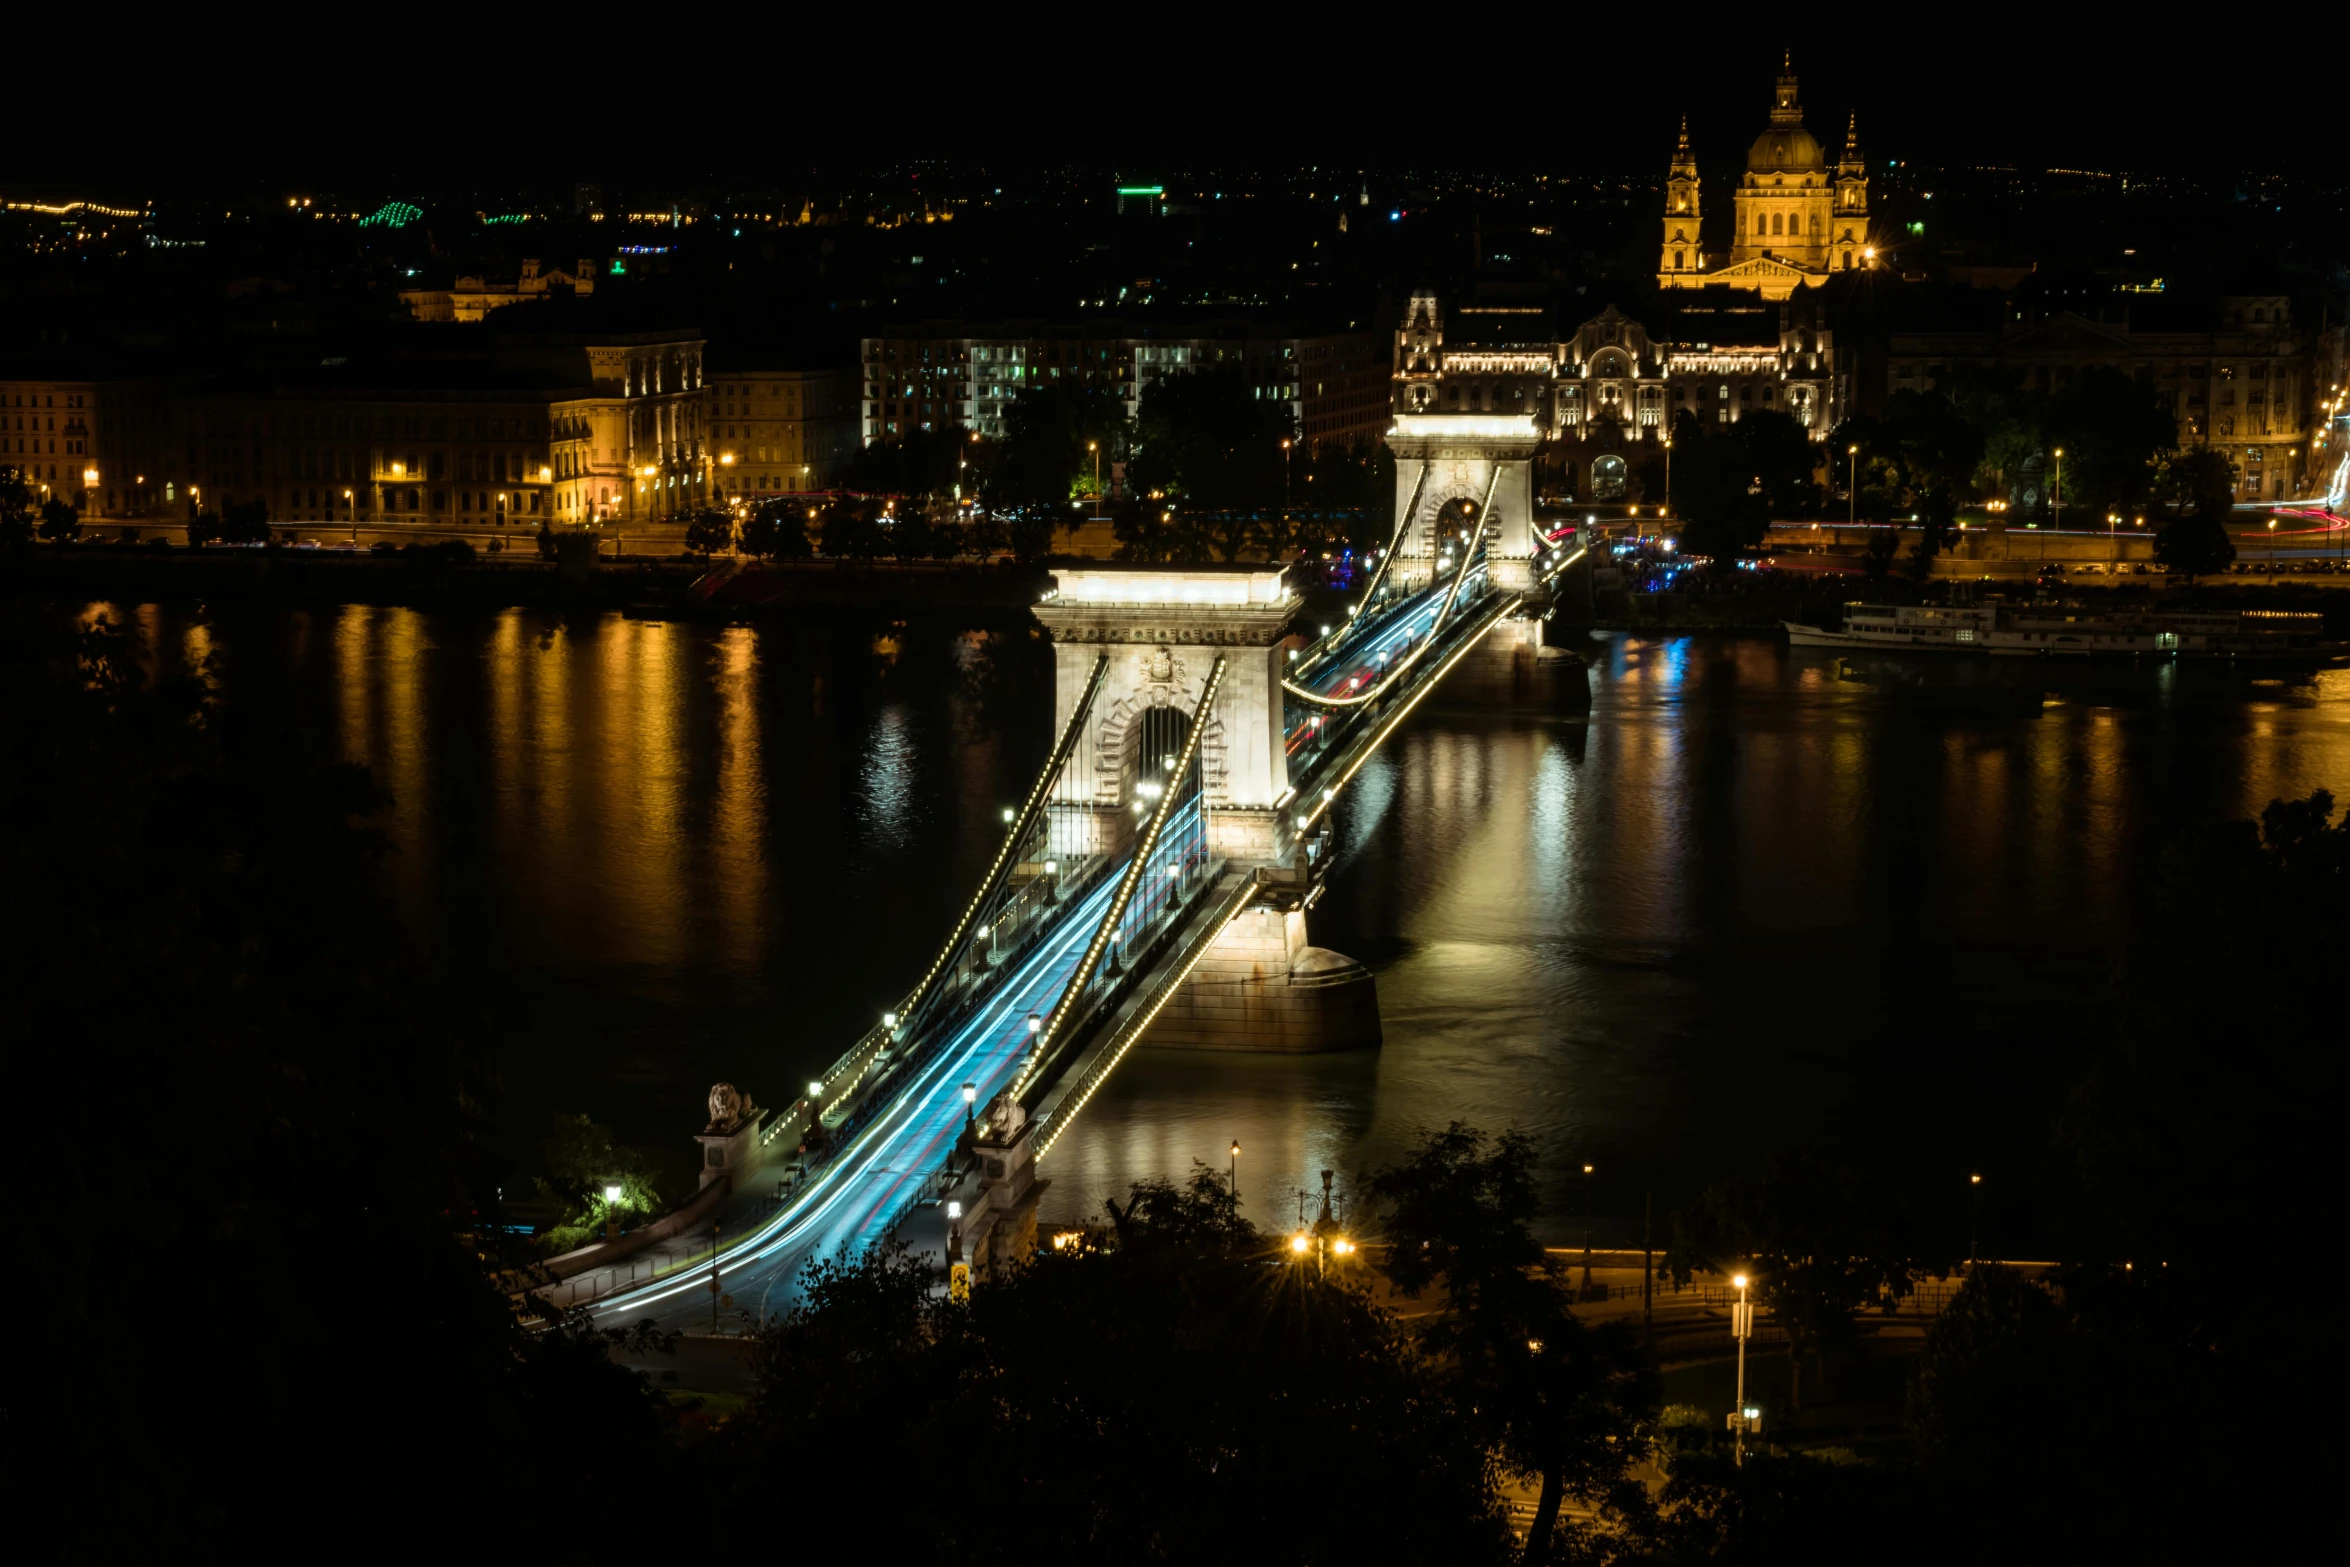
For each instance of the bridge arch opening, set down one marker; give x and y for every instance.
(1454, 520)
(1136, 740)
(1153, 742)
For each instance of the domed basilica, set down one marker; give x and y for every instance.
(1797, 217)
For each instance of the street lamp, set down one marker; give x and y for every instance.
(1741, 1329)
(1851, 485)
(970, 1101)
(1974, 1225)
(1587, 1229)
(1236, 1169)
(1285, 486)
(1095, 447)
(2056, 493)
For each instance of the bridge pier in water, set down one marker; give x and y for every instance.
(1513, 668)
(1261, 987)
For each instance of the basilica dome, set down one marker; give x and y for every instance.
(1786, 149)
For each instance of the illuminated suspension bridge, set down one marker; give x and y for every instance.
(1199, 750)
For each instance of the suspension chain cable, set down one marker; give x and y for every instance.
(1135, 869)
(1039, 800)
(1387, 682)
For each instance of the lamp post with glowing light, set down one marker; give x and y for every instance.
(1851, 485)
(1587, 1172)
(1741, 1329)
(1974, 1223)
(1285, 488)
(1095, 447)
(2056, 495)
(1236, 1169)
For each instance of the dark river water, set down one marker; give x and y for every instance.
(1753, 900)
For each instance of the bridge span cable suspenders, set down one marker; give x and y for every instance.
(1373, 692)
(1039, 800)
(1359, 751)
(1469, 547)
(1403, 526)
(1136, 868)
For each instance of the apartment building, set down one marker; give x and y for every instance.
(936, 375)
(91, 435)
(781, 431)
(558, 423)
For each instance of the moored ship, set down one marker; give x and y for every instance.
(2071, 631)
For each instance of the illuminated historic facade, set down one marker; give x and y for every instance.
(1796, 217)
(1605, 395)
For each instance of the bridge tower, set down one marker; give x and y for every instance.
(1260, 986)
(1163, 627)
(1474, 464)
(1451, 469)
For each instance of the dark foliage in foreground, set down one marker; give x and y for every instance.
(1189, 1395)
(248, 1314)
(2148, 1396)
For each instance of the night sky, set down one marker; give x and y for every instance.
(1552, 92)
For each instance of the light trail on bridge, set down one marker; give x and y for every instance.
(1396, 629)
(863, 1191)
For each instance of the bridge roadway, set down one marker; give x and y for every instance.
(861, 1193)
(1365, 649)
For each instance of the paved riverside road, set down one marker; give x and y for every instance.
(856, 1197)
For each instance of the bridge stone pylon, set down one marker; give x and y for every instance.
(1162, 630)
(1467, 457)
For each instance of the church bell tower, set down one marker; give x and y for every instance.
(1682, 261)
(1850, 246)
